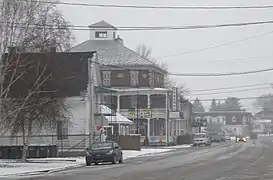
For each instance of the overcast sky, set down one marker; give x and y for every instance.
(253, 54)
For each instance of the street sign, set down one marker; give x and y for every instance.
(142, 113)
(174, 98)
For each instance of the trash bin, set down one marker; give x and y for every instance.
(42, 151)
(32, 152)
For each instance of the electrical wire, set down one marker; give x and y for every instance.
(201, 74)
(158, 7)
(220, 74)
(145, 28)
(216, 46)
(231, 87)
(224, 92)
(241, 98)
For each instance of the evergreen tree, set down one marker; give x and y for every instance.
(198, 106)
(213, 105)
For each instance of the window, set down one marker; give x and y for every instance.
(101, 34)
(233, 119)
(133, 101)
(106, 76)
(62, 130)
(134, 78)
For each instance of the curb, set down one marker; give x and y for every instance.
(45, 171)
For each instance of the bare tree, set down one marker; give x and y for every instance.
(28, 102)
(146, 52)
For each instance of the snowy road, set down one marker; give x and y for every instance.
(252, 160)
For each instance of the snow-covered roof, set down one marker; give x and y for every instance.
(118, 119)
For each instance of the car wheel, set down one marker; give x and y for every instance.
(88, 163)
(114, 160)
(121, 159)
(96, 163)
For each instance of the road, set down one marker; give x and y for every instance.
(252, 161)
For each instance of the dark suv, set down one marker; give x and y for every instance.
(99, 152)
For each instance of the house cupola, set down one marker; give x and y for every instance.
(102, 31)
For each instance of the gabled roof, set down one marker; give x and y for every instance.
(101, 25)
(112, 53)
(264, 113)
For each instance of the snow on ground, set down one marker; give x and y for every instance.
(35, 166)
(179, 146)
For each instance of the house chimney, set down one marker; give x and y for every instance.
(53, 49)
(119, 40)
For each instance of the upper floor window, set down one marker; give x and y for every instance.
(134, 78)
(233, 119)
(106, 78)
(101, 34)
(134, 103)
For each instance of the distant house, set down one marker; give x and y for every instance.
(187, 116)
(265, 114)
(141, 95)
(230, 122)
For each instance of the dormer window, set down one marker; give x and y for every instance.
(101, 34)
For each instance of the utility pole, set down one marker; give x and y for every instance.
(137, 110)
(90, 98)
(167, 118)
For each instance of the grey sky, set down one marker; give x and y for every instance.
(166, 43)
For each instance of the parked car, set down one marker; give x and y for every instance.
(216, 138)
(99, 152)
(201, 139)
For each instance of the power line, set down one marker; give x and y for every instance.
(224, 92)
(240, 98)
(231, 87)
(203, 74)
(221, 74)
(145, 28)
(217, 46)
(159, 7)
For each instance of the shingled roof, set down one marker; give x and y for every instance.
(111, 53)
(102, 24)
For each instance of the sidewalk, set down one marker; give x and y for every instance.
(48, 165)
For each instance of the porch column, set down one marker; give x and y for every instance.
(118, 103)
(148, 128)
(118, 128)
(148, 119)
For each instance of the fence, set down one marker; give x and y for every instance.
(72, 144)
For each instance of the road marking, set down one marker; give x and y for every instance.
(222, 178)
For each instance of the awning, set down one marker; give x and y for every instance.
(118, 119)
(99, 89)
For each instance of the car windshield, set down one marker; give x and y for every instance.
(199, 136)
(102, 145)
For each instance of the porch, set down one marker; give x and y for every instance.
(148, 110)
